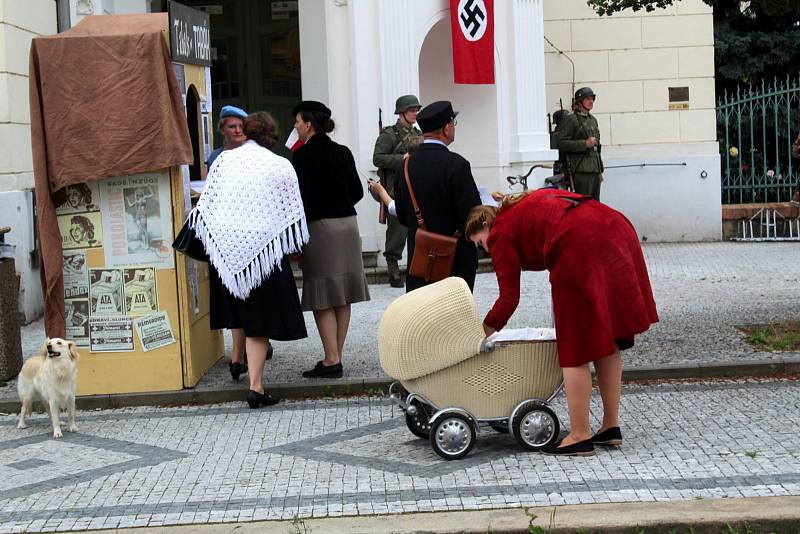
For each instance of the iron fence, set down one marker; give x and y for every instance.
(755, 129)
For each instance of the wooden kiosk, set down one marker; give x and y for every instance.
(111, 202)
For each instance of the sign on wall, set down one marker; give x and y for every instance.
(189, 35)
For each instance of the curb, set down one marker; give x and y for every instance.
(380, 385)
(758, 515)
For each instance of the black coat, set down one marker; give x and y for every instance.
(329, 182)
(446, 192)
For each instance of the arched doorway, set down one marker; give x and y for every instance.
(477, 136)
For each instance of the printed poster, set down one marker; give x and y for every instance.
(80, 198)
(82, 230)
(77, 318)
(137, 218)
(76, 275)
(154, 331)
(106, 292)
(111, 334)
(141, 296)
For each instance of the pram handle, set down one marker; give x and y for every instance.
(486, 345)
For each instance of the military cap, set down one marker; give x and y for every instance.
(584, 92)
(406, 102)
(232, 111)
(435, 115)
(311, 105)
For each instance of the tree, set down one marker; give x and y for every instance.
(754, 41)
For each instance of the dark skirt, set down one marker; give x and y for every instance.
(272, 310)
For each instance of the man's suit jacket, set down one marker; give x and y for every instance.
(446, 192)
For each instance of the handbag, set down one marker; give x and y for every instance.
(433, 253)
(188, 243)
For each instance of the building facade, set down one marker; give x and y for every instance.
(359, 55)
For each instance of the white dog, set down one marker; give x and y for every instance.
(49, 377)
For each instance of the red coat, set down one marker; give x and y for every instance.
(601, 290)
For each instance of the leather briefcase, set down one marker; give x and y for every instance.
(433, 253)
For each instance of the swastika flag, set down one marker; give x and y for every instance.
(472, 23)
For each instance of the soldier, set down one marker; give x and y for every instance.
(391, 145)
(579, 138)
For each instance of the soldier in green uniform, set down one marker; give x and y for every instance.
(390, 147)
(579, 139)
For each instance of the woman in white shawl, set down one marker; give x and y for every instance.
(250, 217)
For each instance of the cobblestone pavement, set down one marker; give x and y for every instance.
(347, 457)
(702, 291)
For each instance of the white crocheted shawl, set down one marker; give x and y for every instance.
(249, 216)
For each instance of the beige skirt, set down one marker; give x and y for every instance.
(333, 272)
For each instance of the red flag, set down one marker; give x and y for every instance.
(472, 23)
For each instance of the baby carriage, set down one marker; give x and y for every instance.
(452, 381)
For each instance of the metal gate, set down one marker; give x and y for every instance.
(755, 129)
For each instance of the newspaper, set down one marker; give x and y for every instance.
(137, 218)
(77, 319)
(106, 292)
(154, 331)
(76, 275)
(80, 198)
(111, 334)
(82, 230)
(141, 295)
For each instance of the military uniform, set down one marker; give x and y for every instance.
(391, 145)
(585, 163)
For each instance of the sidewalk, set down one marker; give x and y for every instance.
(702, 291)
(694, 451)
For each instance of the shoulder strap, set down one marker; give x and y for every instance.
(417, 212)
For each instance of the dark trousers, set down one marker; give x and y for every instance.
(587, 183)
(395, 232)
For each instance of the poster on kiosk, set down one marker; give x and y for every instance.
(112, 197)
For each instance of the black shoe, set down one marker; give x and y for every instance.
(257, 400)
(610, 437)
(581, 448)
(396, 281)
(237, 369)
(324, 371)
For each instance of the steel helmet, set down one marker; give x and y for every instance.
(405, 102)
(583, 92)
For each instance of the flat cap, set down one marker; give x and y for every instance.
(311, 105)
(232, 111)
(435, 115)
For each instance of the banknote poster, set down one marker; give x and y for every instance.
(106, 293)
(154, 331)
(111, 334)
(82, 230)
(76, 275)
(141, 296)
(80, 198)
(77, 319)
(137, 218)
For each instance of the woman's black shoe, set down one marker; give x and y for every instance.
(257, 400)
(609, 437)
(325, 371)
(237, 369)
(581, 448)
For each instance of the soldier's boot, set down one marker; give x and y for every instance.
(395, 280)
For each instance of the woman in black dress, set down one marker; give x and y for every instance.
(250, 218)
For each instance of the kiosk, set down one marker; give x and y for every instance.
(113, 159)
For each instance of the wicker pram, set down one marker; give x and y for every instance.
(452, 381)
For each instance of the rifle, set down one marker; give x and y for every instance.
(381, 175)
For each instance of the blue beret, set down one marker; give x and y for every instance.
(232, 111)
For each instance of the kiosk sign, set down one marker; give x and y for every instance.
(189, 35)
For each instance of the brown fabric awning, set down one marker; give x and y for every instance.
(104, 102)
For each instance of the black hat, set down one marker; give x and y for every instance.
(435, 115)
(311, 105)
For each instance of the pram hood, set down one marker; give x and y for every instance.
(429, 329)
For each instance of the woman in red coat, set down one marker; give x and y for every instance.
(601, 293)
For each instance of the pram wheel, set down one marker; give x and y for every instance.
(453, 436)
(535, 426)
(500, 427)
(418, 422)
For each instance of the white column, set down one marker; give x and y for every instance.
(398, 53)
(533, 140)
